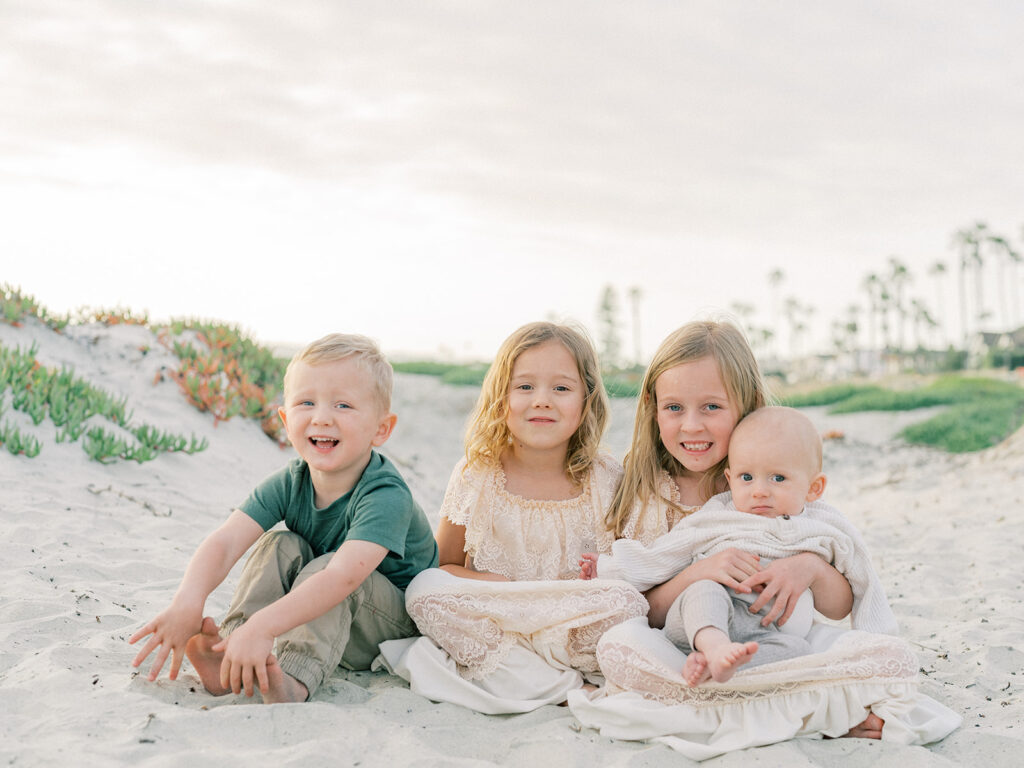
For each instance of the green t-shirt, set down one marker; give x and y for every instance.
(379, 509)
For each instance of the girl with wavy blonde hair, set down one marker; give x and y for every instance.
(507, 624)
(488, 435)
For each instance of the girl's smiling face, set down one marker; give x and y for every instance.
(695, 416)
(545, 399)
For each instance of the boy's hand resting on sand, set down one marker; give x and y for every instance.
(588, 566)
(170, 631)
(246, 651)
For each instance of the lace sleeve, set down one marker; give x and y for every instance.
(604, 481)
(464, 488)
(657, 517)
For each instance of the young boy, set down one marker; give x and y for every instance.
(330, 588)
(773, 511)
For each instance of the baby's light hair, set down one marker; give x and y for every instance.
(727, 346)
(339, 346)
(488, 434)
(784, 423)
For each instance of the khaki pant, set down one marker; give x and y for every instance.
(347, 634)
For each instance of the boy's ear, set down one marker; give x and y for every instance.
(728, 479)
(384, 430)
(281, 414)
(817, 487)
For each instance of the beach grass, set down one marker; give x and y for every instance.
(221, 371)
(981, 412)
(616, 383)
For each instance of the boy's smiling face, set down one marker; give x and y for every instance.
(333, 420)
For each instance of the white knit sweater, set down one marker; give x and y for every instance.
(718, 525)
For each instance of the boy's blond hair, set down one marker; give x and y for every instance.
(647, 456)
(488, 434)
(338, 346)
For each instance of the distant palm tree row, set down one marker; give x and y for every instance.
(890, 311)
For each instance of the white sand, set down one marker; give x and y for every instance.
(90, 551)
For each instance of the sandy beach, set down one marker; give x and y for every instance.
(91, 551)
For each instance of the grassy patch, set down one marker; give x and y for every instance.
(617, 384)
(981, 413)
(221, 371)
(74, 406)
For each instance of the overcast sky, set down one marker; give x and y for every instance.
(436, 174)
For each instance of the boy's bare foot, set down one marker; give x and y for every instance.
(282, 688)
(206, 661)
(723, 660)
(695, 669)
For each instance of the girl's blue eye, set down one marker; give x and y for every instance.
(561, 388)
(673, 408)
(525, 387)
(714, 407)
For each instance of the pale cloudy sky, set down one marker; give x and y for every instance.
(434, 174)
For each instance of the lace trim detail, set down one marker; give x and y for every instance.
(856, 656)
(477, 624)
(648, 522)
(529, 539)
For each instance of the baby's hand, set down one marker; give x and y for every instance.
(588, 566)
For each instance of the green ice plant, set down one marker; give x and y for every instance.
(71, 403)
(18, 443)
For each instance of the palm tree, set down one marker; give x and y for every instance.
(936, 271)
(1007, 257)
(775, 278)
(968, 242)
(899, 277)
(872, 286)
(635, 294)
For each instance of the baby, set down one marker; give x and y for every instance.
(772, 511)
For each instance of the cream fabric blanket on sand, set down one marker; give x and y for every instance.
(826, 693)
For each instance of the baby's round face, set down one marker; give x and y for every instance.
(770, 471)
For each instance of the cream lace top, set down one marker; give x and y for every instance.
(529, 539)
(656, 518)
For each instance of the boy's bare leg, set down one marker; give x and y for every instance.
(723, 656)
(695, 669)
(282, 687)
(205, 660)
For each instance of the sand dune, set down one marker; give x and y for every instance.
(90, 551)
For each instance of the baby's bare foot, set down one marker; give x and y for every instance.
(724, 660)
(695, 669)
(206, 661)
(282, 688)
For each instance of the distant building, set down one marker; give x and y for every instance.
(1003, 349)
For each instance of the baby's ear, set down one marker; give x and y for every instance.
(817, 487)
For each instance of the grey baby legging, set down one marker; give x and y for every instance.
(709, 604)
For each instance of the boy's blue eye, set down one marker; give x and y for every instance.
(342, 405)
(306, 402)
(746, 477)
(777, 478)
